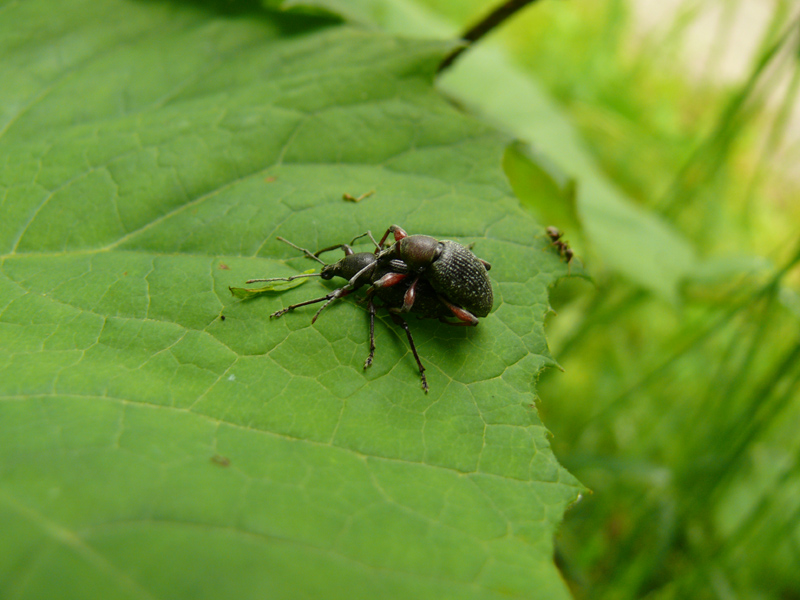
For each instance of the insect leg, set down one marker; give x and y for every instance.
(355, 279)
(398, 232)
(371, 306)
(389, 280)
(466, 317)
(410, 295)
(402, 322)
(341, 292)
(351, 285)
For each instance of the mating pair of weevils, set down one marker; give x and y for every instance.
(434, 279)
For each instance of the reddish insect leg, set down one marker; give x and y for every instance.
(389, 280)
(410, 295)
(398, 232)
(466, 317)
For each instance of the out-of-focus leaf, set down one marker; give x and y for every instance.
(728, 279)
(398, 16)
(542, 186)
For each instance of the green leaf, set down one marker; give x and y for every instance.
(398, 16)
(150, 153)
(542, 186)
(728, 279)
(272, 287)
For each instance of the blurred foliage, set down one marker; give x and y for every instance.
(682, 420)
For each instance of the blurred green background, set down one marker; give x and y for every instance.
(680, 413)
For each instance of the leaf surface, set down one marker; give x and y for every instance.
(150, 153)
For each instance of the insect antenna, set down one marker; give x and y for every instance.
(365, 234)
(308, 254)
(283, 278)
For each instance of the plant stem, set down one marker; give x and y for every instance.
(492, 20)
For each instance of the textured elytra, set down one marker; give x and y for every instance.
(462, 278)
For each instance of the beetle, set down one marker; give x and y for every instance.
(458, 277)
(362, 268)
(448, 280)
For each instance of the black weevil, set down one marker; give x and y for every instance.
(448, 280)
(362, 268)
(459, 278)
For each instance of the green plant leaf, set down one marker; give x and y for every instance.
(271, 287)
(399, 16)
(542, 186)
(150, 154)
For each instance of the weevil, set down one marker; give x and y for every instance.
(458, 277)
(447, 280)
(362, 268)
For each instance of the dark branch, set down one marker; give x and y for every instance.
(484, 26)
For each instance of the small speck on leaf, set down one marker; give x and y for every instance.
(351, 198)
(222, 461)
